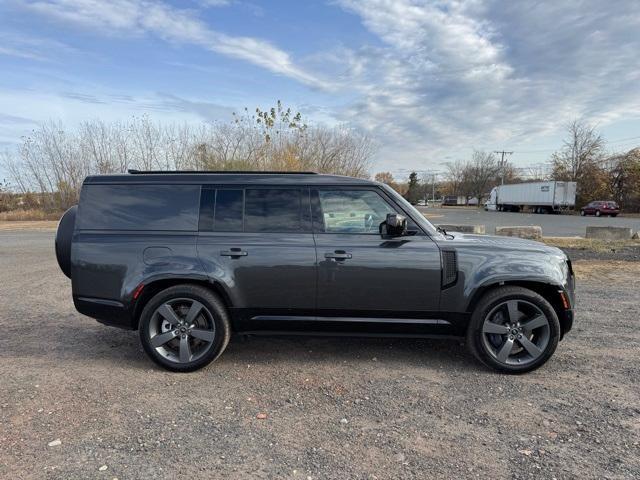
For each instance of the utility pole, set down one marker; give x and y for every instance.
(433, 187)
(502, 164)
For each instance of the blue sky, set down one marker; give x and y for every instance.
(428, 80)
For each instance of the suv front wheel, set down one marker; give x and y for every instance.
(513, 330)
(184, 328)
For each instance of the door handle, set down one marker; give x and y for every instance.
(338, 255)
(234, 252)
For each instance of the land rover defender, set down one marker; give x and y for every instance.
(190, 258)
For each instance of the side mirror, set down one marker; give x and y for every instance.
(395, 225)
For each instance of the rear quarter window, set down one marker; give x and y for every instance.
(139, 207)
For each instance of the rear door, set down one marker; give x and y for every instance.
(257, 242)
(361, 274)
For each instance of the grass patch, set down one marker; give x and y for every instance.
(28, 225)
(590, 244)
(613, 270)
(29, 215)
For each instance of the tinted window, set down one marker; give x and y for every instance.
(352, 211)
(228, 211)
(207, 202)
(272, 210)
(139, 207)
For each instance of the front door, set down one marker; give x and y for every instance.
(361, 274)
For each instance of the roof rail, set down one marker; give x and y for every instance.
(172, 172)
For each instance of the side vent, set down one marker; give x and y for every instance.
(449, 268)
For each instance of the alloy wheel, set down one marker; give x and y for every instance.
(182, 330)
(516, 332)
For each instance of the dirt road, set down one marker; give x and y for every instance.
(335, 408)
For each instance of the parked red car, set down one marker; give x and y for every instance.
(599, 208)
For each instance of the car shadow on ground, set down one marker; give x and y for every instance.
(356, 351)
(108, 344)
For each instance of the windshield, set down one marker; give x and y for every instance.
(415, 213)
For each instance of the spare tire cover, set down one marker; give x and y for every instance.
(64, 236)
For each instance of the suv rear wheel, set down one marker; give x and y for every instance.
(184, 328)
(513, 330)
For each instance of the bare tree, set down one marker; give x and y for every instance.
(537, 172)
(482, 172)
(54, 160)
(624, 179)
(581, 150)
(580, 154)
(456, 178)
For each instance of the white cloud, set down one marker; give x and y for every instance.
(32, 107)
(33, 48)
(448, 76)
(214, 3)
(439, 78)
(141, 17)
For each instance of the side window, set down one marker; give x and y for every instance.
(228, 211)
(273, 210)
(350, 211)
(221, 210)
(139, 207)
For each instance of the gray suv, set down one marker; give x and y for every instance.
(188, 258)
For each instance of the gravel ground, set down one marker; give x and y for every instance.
(335, 408)
(625, 253)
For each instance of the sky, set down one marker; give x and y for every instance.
(429, 81)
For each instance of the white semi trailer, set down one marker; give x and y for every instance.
(540, 197)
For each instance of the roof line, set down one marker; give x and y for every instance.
(230, 172)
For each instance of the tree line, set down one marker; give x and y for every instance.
(48, 168)
(51, 163)
(582, 158)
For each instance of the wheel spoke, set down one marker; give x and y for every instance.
(185, 349)
(536, 322)
(206, 335)
(505, 350)
(490, 327)
(166, 312)
(530, 347)
(193, 312)
(162, 338)
(514, 314)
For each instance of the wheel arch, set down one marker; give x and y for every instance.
(152, 288)
(552, 293)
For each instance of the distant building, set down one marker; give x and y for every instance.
(452, 200)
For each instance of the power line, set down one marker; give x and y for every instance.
(623, 140)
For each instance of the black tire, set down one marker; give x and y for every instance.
(598, 213)
(64, 237)
(214, 310)
(614, 215)
(582, 213)
(475, 336)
